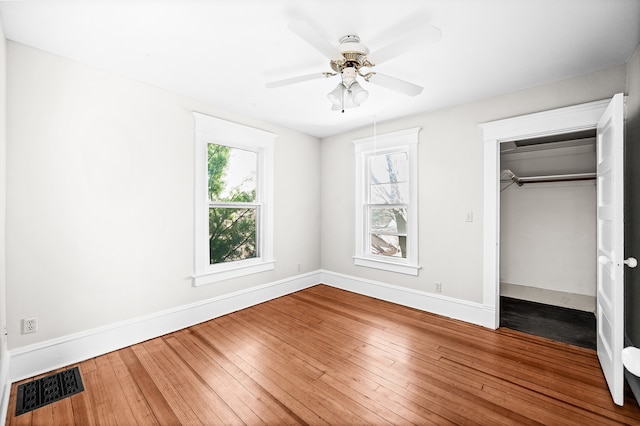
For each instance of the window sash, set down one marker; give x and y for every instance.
(379, 231)
(255, 171)
(252, 238)
(382, 186)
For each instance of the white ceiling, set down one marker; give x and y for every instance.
(223, 51)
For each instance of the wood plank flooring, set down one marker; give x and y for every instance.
(326, 356)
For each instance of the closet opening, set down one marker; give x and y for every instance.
(548, 237)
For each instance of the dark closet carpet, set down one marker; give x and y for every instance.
(553, 322)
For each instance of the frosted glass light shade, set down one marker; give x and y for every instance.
(358, 94)
(342, 97)
(335, 96)
(631, 360)
(349, 101)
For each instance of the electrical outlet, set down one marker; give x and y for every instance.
(438, 287)
(29, 325)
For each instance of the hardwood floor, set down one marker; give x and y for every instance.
(326, 356)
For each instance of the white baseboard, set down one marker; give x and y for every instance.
(580, 302)
(42, 357)
(463, 310)
(28, 361)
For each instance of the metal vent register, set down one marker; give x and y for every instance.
(52, 388)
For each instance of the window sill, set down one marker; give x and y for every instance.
(387, 266)
(227, 272)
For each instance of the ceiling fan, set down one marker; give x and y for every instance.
(352, 59)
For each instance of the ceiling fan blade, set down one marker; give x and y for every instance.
(396, 84)
(313, 37)
(419, 37)
(298, 79)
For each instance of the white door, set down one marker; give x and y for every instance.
(610, 246)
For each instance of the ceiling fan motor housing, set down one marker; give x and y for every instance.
(353, 52)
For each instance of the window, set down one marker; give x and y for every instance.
(234, 200)
(387, 202)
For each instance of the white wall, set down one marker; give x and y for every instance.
(100, 198)
(548, 238)
(548, 230)
(451, 183)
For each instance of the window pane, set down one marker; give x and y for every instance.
(388, 245)
(232, 174)
(388, 178)
(232, 234)
(387, 231)
(389, 193)
(389, 167)
(388, 220)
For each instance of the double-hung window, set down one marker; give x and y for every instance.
(234, 200)
(387, 202)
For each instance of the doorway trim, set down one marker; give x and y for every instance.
(547, 123)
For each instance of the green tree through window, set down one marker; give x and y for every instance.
(233, 210)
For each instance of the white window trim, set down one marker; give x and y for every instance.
(214, 130)
(404, 139)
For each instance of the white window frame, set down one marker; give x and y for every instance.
(400, 141)
(217, 131)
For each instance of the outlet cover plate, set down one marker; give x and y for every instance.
(29, 325)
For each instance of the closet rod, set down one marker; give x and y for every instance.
(555, 178)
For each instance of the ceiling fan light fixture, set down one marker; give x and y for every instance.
(349, 102)
(358, 94)
(342, 98)
(335, 96)
(348, 76)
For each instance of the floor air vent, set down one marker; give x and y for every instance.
(52, 388)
